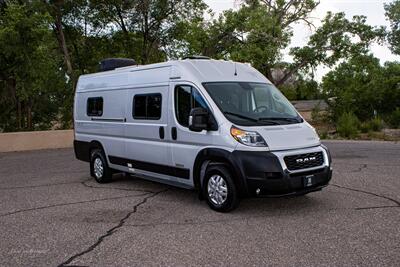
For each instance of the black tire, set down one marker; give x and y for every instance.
(101, 177)
(232, 198)
(303, 194)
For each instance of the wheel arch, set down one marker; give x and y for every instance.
(209, 156)
(93, 145)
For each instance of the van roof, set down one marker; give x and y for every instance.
(193, 70)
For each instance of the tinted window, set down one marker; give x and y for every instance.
(147, 107)
(186, 98)
(139, 106)
(252, 104)
(94, 106)
(154, 106)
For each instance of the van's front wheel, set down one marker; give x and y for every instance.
(99, 169)
(219, 189)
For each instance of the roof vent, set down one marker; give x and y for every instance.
(197, 57)
(113, 63)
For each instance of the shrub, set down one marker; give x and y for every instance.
(347, 125)
(394, 118)
(316, 114)
(365, 127)
(376, 124)
(323, 135)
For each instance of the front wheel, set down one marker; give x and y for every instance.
(219, 189)
(99, 168)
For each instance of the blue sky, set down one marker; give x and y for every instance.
(372, 9)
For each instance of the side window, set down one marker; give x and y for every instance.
(186, 98)
(147, 107)
(94, 106)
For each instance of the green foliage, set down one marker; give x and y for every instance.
(347, 125)
(394, 118)
(289, 91)
(362, 86)
(259, 31)
(318, 115)
(338, 38)
(301, 89)
(365, 127)
(30, 78)
(393, 14)
(147, 28)
(376, 124)
(323, 135)
(46, 45)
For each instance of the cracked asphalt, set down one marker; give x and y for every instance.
(53, 214)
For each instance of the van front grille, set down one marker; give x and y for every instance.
(304, 161)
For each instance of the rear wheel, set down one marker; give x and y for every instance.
(99, 169)
(219, 189)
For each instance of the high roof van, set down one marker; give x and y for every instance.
(218, 127)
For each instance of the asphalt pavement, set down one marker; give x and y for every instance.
(52, 213)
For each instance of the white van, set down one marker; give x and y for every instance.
(219, 127)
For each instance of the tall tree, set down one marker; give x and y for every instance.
(152, 22)
(29, 72)
(57, 10)
(393, 14)
(362, 86)
(261, 30)
(337, 39)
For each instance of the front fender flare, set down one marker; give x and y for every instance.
(218, 155)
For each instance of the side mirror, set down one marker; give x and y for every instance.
(198, 119)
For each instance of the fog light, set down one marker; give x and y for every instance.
(258, 190)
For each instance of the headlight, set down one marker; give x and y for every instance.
(248, 138)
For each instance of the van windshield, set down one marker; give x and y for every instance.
(252, 104)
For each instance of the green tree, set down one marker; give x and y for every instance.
(363, 87)
(393, 14)
(337, 39)
(299, 87)
(260, 31)
(266, 29)
(30, 77)
(46, 44)
(57, 10)
(148, 27)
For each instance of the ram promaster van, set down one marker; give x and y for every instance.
(218, 127)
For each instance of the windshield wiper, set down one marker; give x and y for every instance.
(240, 116)
(295, 120)
(262, 120)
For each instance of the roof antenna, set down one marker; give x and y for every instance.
(235, 70)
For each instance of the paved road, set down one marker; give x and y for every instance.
(52, 213)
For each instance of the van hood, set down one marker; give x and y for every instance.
(291, 136)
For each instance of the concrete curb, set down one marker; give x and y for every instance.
(356, 141)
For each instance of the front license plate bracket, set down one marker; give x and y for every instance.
(308, 180)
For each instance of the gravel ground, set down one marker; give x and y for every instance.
(52, 213)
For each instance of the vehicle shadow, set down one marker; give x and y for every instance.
(184, 199)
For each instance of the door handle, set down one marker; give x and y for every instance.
(174, 133)
(161, 132)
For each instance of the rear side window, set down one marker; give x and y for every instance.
(147, 107)
(186, 98)
(94, 106)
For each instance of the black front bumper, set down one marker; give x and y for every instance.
(264, 176)
(289, 184)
